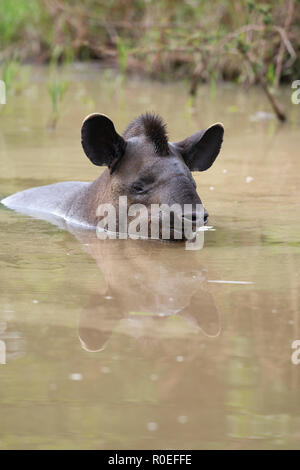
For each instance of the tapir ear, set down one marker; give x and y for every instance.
(201, 149)
(100, 141)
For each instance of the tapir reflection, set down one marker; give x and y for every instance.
(145, 284)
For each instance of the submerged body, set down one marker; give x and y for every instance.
(141, 165)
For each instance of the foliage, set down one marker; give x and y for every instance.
(166, 38)
(57, 88)
(244, 41)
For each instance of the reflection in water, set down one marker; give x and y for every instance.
(146, 283)
(125, 344)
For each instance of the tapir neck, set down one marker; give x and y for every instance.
(87, 202)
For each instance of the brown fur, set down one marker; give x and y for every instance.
(154, 128)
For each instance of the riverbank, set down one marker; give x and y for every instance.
(198, 41)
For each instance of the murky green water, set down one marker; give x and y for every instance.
(129, 344)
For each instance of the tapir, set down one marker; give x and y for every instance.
(141, 165)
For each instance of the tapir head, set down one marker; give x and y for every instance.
(145, 167)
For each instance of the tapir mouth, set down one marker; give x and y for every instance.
(187, 226)
(165, 225)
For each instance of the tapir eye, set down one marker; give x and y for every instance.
(137, 187)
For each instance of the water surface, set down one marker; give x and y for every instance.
(133, 344)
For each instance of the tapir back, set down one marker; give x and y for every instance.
(55, 200)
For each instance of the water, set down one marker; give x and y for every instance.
(134, 344)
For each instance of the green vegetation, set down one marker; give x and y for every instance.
(193, 38)
(10, 71)
(244, 41)
(57, 88)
